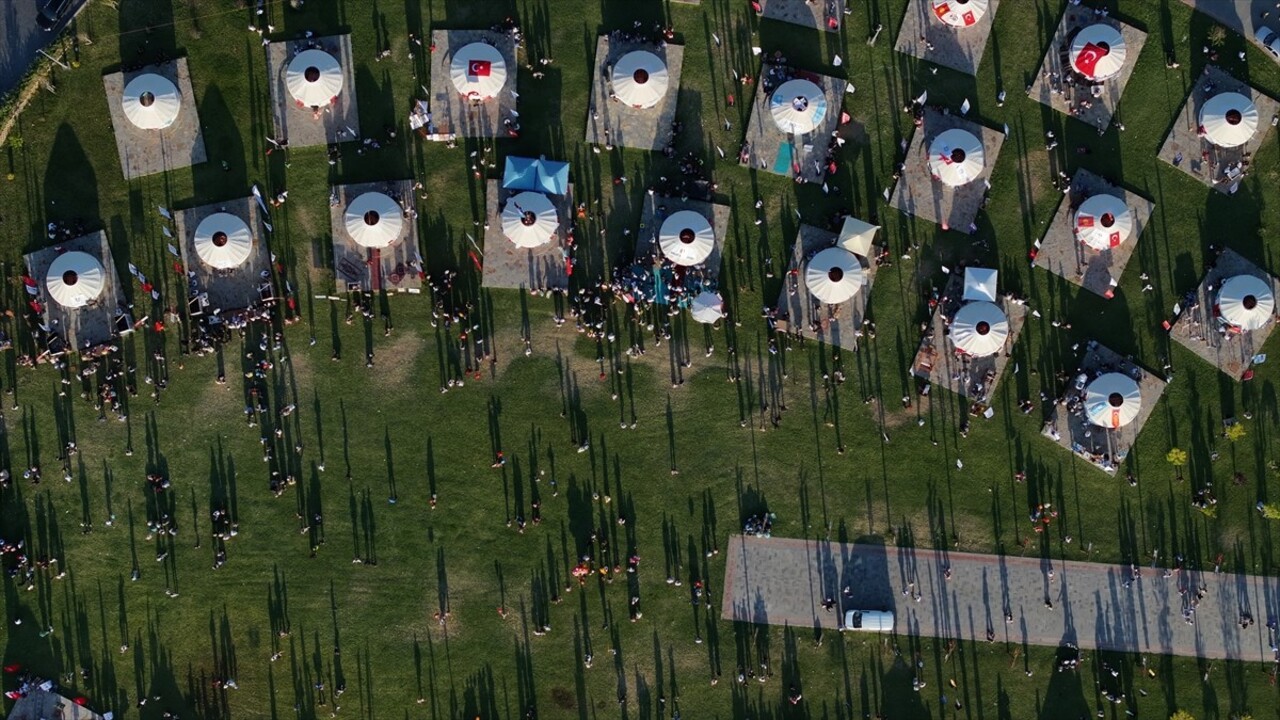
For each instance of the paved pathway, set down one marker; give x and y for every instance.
(21, 38)
(783, 581)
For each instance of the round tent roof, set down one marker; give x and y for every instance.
(833, 275)
(223, 240)
(1103, 221)
(374, 220)
(75, 279)
(529, 220)
(798, 106)
(151, 101)
(478, 71)
(979, 329)
(1229, 119)
(1112, 400)
(1098, 52)
(686, 237)
(314, 78)
(956, 157)
(1246, 302)
(959, 13)
(640, 79)
(707, 307)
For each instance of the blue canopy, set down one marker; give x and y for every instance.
(541, 175)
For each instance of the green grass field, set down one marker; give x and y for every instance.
(390, 432)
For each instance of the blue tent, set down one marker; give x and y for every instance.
(520, 174)
(541, 175)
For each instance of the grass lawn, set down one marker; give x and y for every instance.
(388, 432)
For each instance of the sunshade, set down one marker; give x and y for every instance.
(1098, 52)
(686, 237)
(956, 157)
(314, 78)
(1246, 302)
(707, 307)
(529, 220)
(857, 235)
(1228, 119)
(374, 220)
(980, 284)
(833, 275)
(1103, 221)
(979, 329)
(223, 240)
(640, 79)
(151, 101)
(1112, 400)
(798, 106)
(75, 279)
(478, 71)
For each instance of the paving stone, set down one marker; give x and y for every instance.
(451, 113)
(1196, 328)
(1102, 448)
(228, 289)
(147, 152)
(924, 36)
(508, 266)
(1186, 150)
(1062, 254)
(340, 122)
(765, 139)
(399, 267)
(783, 581)
(643, 128)
(918, 194)
(89, 329)
(800, 314)
(656, 209)
(1057, 64)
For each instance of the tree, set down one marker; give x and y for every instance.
(1182, 715)
(1234, 432)
(1177, 457)
(1217, 36)
(1270, 511)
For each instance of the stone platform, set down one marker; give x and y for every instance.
(765, 140)
(840, 325)
(642, 128)
(1196, 328)
(819, 14)
(1104, 449)
(398, 267)
(147, 152)
(90, 328)
(1048, 87)
(924, 36)
(1219, 168)
(339, 122)
(657, 208)
(451, 114)
(918, 194)
(227, 289)
(1065, 256)
(508, 266)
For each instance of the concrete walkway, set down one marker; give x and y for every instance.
(783, 581)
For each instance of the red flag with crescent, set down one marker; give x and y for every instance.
(1087, 60)
(479, 68)
(1115, 418)
(1115, 239)
(942, 10)
(1085, 221)
(969, 19)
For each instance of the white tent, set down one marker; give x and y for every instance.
(314, 78)
(1228, 119)
(529, 220)
(1112, 400)
(834, 275)
(1098, 52)
(640, 79)
(959, 13)
(478, 71)
(956, 157)
(75, 279)
(1246, 302)
(856, 236)
(1103, 221)
(686, 237)
(223, 240)
(374, 220)
(151, 101)
(979, 329)
(798, 106)
(707, 307)
(980, 284)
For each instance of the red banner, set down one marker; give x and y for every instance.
(1115, 239)
(1087, 60)
(942, 10)
(479, 68)
(969, 19)
(1084, 221)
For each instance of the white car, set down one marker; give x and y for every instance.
(875, 621)
(1269, 39)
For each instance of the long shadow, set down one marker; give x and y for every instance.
(147, 33)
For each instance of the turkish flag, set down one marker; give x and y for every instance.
(1087, 60)
(1085, 221)
(479, 68)
(1115, 239)
(942, 10)
(969, 19)
(1115, 418)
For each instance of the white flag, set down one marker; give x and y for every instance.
(165, 229)
(923, 97)
(721, 151)
(886, 194)
(133, 270)
(825, 190)
(964, 107)
(849, 89)
(716, 38)
(165, 212)
(173, 250)
(837, 61)
(755, 50)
